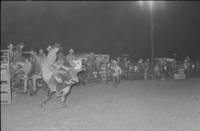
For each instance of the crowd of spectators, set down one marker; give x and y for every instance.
(99, 69)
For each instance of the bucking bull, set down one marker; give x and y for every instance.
(59, 78)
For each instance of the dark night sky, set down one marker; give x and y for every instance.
(104, 27)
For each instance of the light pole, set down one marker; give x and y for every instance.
(152, 33)
(150, 5)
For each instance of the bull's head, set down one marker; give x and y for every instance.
(77, 65)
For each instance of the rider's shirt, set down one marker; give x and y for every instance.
(52, 55)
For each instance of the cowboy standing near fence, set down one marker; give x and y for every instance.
(116, 73)
(70, 57)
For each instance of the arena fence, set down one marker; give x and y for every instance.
(5, 78)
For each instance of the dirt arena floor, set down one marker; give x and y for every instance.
(132, 106)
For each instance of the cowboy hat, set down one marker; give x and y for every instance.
(71, 50)
(114, 61)
(10, 45)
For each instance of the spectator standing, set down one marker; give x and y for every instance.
(197, 67)
(17, 56)
(70, 57)
(146, 69)
(11, 51)
(116, 73)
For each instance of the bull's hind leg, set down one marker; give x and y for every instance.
(65, 93)
(48, 97)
